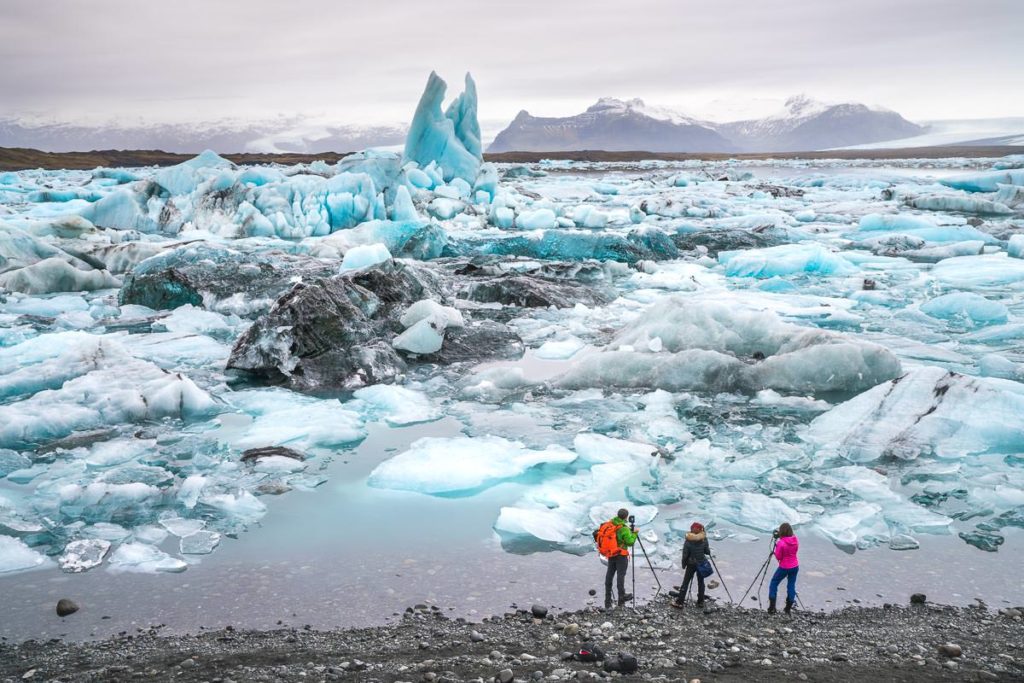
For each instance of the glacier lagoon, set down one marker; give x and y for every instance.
(346, 388)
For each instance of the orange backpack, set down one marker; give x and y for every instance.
(607, 537)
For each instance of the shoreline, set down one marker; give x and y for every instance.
(20, 158)
(720, 643)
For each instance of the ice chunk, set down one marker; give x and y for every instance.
(403, 209)
(398, 406)
(989, 270)
(966, 306)
(984, 182)
(785, 259)
(182, 527)
(706, 346)
(84, 554)
(141, 557)
(451, 139)
(365, 256)
(426, 308)
(56, 275)
(560, 349)
(928, 411)
(462, 465)
(115, 388)
(120, 210)
(1015, 247)
(754, 510)
(286, 418)
(183, 178)
(199, 543)
(425, 336)
(16, 556)
(241, 508)
(539, 219)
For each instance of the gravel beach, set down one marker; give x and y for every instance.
(905, 643)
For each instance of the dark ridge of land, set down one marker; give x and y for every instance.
(904, 153)
(18, 158)
(917, 643)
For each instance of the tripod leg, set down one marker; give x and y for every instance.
(721, 578)
(632, 562)
(650, 565)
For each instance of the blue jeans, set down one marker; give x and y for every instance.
(790, 576)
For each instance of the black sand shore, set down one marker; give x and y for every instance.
(895, 643)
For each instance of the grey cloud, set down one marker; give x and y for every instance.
(366, 61)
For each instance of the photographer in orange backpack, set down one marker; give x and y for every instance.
(614, 539)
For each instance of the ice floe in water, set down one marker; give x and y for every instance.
(462, 465)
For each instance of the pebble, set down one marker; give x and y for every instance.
(505, 676)
(950, 650)
(539, 611)
(65, 607)
(476, 636)
(571, 629)
(918, 599)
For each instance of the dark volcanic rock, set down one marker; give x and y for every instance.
(254, 454)
(195, 273)
(728, 239)
(530, 292)
(334, 333)
(475, 342)
(66, 607)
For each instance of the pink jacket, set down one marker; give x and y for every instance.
(785, 552)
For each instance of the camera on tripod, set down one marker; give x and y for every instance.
(775, 534)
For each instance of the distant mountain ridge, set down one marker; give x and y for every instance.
(615, 125)
(611, 125)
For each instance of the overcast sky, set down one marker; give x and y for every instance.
(367, 62)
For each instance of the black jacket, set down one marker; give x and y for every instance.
(695, 549)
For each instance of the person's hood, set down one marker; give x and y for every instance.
(696, 537)
(787, 541)
(618, 521)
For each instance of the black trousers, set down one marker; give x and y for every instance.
(616, 569)
(691, 571)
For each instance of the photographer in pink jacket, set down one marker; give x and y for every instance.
(785, 552)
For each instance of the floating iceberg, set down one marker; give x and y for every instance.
(785, 259)
(452, 139)
(16, 556)
(966, 306)
(927, 412)
(462, 465)
(984, 182)
(714, 347)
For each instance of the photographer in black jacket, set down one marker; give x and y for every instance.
(695, 551)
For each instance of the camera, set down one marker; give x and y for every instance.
(632, 519)
(775, 534)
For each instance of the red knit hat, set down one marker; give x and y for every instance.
(696, 528)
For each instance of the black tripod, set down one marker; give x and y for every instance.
(646, 557)
(761, 574)
(721, 578)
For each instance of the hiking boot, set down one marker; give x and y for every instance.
(623, 599)
(789, 606)
(700, 603)
(607, 603)
(771, 606)
(677, 604)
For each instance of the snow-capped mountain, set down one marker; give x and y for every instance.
(805, 124)
(283, 134)
(611, 125)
